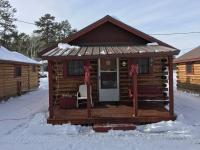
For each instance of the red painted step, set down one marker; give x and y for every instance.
(107, 127)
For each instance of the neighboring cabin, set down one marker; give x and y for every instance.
(18, 73)
(188, 71)
(128, 75)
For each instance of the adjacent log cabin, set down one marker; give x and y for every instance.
(188, 71)
(124, 72)
(18, 73)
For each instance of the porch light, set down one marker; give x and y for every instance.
(124, 63)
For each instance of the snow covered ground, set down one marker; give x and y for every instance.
(23, 127)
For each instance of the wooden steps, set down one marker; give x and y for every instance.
(107, 127)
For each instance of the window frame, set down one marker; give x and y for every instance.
(15, 69)
(33, 68)
(66, 72)
(149, 66)
(192, 69)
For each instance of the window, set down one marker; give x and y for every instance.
(143, 65)
(18, 71)
(189, 68)
(75, 68)
(33, 68)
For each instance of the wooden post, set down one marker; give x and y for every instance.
(50, 89)
(87, 81)
(133, 73)
(171, 91)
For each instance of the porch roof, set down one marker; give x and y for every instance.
(99, 51)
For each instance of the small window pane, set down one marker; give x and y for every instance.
(143, 65)
(108, 64)
(108, 80)
(75, 68)
(189, 68)
(18, 71)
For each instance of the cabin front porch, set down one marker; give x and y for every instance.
(108, 114)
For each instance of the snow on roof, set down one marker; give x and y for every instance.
(7, 55)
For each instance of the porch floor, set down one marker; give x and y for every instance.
(110, 114)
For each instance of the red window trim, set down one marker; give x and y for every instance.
(65, 69)
(189, 73)
(15, 76)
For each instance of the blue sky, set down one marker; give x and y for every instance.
(149, 16)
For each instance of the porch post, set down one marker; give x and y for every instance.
(134, 70)
(171, 90)
(50, 65)
(87, 81)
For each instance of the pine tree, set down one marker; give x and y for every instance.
(7, 27)
(62, 30)
(46, 29)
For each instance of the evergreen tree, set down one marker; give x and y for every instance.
(20, 42)
(7, 27)
(62, 30)
(46, 29)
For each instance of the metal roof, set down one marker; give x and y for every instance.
(193, 55)
(109, 50)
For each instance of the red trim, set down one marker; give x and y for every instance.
(50, 65)
(171, 90)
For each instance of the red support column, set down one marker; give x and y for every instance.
(171, 90)
(50, 65)
(133, 73)
(87, 81)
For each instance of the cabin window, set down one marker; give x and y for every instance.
(189, 68)
(143, 65)
(18, 71)
(33, 68)
(75, 68)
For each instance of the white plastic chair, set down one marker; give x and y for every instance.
(82, 95)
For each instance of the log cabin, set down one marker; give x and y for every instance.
(188, 71)
(126, 72)
(18, 73)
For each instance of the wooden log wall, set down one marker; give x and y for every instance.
(69, 85)
(150, 86)
(188, 82)
(8, 81)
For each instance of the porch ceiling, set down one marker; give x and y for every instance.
(97, 51)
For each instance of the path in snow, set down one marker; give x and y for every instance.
(18, 110)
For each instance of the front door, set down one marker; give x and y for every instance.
(108, 79)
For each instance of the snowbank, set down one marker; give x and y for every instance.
(65, 46)
(5, 54)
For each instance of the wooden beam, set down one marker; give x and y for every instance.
(50, 89)
(171, 90)
(88, 83)
(133, 73)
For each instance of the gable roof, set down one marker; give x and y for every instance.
(193, 55)
(113, 21)
(12, 56)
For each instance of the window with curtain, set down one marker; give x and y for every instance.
(75, 68)
(18, 71)
(189, 68)
(143, 65)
